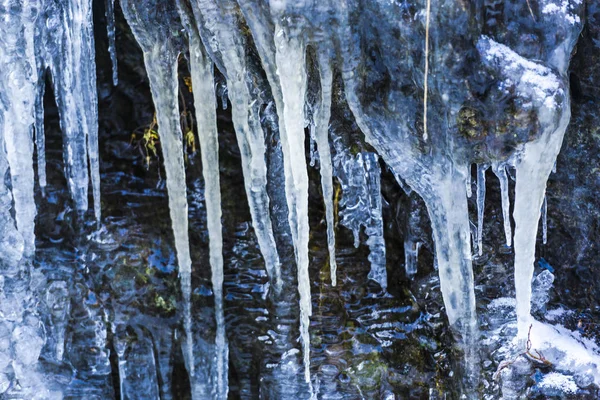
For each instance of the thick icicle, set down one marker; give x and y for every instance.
(283, 61)
(219, 19)
(17, 103)
(447, 207)
(480, 206)
(110, 31)
(11, 242)
(532, 174)
(547, 94)
(160, 58)
(500, 172)
(322, 139)
(73, 70)
(206, 117)
(289, 58)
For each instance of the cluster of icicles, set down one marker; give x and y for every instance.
(40, 37)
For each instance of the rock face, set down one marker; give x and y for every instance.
(462, 104)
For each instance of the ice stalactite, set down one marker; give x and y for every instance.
(532, 173)
(40, 138)
(110, 31)
(435, 176)
(68, 50)
(17, 85)
(480, 206)
(205, 103)
(545, 220)
(500, 172)
(11, 242)
(469, 185)
(290, 61)
(548, 94)
(374, 230)
(282, 52)
(360, 177)
(321, 135)
(411, 257)
(219, 27)
(160, 58)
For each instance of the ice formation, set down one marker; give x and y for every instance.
(360, 205)
(419, 116)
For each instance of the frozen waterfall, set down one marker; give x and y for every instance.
(395, 71)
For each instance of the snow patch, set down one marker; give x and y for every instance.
(555, 380)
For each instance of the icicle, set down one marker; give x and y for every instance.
(220, 18)
(545, 220)
(205, 104)
(532, 173)
(426, 72)
(289, 59)
(374, 229)
(17, 104)
(360, 206)
(283, 62)
(322, 138)
(110, 28)
(468, 183)
(160, 58)
(411, 257)
(447, 206)
(40, 139)
(312, 146)
(500, 172)
(547, 92)
(480, 205)
(164, 87)
(73, 71)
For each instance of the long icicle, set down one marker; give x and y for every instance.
(322, 139)
(290, 61)
(426, 72)
(110, 31)
(160, 59)
(40, 138)
(206, 117)
(87, 75)
(295, 170)
(219, 17)
(545, 220)
(17, 104)
(480, 205)
(500, 172)
(533, 170)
